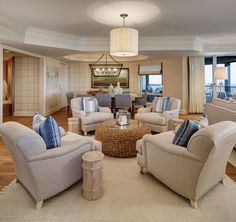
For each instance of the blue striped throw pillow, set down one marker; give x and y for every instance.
(184, 132)
(166, 104)
(89, 104)
(50, 132)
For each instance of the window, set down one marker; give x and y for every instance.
(229, 84)
(152, 84)
(208, 74)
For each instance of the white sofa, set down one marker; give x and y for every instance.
(45, 173)
(89, 121)
(220, 110)
(159, 122)
(191, 171)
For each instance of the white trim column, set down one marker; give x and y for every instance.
(1, 83)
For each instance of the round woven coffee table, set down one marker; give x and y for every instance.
(120, 141)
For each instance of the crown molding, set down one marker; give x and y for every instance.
(168, 43)
(43, 37)
(11, 29)
(48, 38)
(224, 44)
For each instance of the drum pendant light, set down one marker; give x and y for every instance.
(124, 41)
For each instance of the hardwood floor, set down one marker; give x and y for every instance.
(7, 173)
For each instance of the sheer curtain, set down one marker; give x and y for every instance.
(196, 84)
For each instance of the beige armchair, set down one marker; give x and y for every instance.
(191, 171)
(45, 173)
(89, 121)
(159, 122)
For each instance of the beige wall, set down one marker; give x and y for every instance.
(26, 85)
(79, 77)
(175, 81)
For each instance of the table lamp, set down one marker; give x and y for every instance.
(221, 75)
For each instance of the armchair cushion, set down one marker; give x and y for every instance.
(104, 109)
(152, 118)
(96, 117)
(50, 132)
(184, 132)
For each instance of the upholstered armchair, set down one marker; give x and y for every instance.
(159, 122)
(191, 171)
(88, 121)
(45, 173)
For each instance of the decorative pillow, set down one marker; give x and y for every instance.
(89, 104)
(157, 105)
(50, 132)
(184, 133)
(37, 120)
(166, 104)
(202, 121)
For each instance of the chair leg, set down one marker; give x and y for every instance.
(17, 180)
(39, 204)
(142, 170)
(222, 182)
(193, 204)
(85, 133)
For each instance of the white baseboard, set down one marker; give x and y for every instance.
(24, 113)
(49, 112)
(183, 111)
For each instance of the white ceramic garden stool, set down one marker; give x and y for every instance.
(73, 125)
(92, 187)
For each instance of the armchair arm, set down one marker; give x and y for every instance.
(174, 113)
(145, 110)
(166, 146)
(104, 109)
(78, 113)
(63, 150)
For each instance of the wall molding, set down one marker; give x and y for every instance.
(24, 113)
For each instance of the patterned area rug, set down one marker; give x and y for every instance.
(129, 196)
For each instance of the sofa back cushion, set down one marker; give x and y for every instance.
(50, 132)
(184, 132)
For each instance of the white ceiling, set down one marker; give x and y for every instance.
(79, 25)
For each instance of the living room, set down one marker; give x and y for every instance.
(120, 111)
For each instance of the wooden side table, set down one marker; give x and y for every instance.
(92, 187)
(73, 125)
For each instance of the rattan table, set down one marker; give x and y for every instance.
(120, 141)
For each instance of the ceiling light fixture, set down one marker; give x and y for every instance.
(106, 65)
(124, 41)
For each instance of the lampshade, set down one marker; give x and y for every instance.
(124, 42)
(221, 73)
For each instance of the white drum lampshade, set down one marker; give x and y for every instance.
(124, 42)
(221, 73)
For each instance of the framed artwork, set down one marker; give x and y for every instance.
(52, 77)
(105, 81)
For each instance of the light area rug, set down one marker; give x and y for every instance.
(232, 158)
(129, 196)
